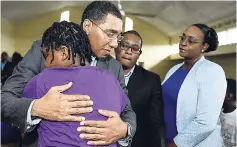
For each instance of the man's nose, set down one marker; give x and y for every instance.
(113, 43)
(129, 51)
(184, 42)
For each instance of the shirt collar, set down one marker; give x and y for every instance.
(93, 61)
(93, 58)
(130, 72)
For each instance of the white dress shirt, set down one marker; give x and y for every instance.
(128, 75)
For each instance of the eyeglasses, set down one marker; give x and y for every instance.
(190, 39)
(126, 46)
(110, 35)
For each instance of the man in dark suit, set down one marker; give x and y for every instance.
(102, 22)
(9, 66)
(144, 91)
(4, 59)
(4, 71)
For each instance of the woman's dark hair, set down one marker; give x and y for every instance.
(210, 36)
(70, 35)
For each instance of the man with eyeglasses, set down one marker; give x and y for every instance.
(102, 22)
(144, 91)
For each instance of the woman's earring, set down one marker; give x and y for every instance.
(202, 50)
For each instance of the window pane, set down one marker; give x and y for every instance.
(128, 24)
(174, 48)
(65, 16)
(232, 38)
(222, 37)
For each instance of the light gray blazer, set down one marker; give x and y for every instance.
(199, 105)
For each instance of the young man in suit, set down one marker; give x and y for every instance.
(144, 91)
(4, 59)
(9, 66)
(102, 22)
(5, 64)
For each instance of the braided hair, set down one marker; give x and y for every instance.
(70, 35)
(210, 36)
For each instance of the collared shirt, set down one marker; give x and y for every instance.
(128, 75)
(3, 65)
(94, 61)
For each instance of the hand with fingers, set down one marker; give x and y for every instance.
(103, 132)
(56, 106)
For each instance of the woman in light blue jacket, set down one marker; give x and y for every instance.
(193, 92)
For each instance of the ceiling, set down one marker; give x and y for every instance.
(171, 17)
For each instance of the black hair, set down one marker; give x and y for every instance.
(210, 36)
(70, 35)
(98, 10)
(16, 58)
(134, 33)
(231, 87)
(4, 54)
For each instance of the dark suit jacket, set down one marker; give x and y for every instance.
(144, 91)
(14, 106)
(7, 72)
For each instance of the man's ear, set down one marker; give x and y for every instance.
(87, 25)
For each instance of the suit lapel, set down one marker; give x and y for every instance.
(134, 81)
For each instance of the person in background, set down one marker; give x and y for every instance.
(16, 58)
(144, 91)
(4, 62)
(10, 136)
(228, 115)
(9, 66)
(102, 22)
(193, 92)
(4, 59)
